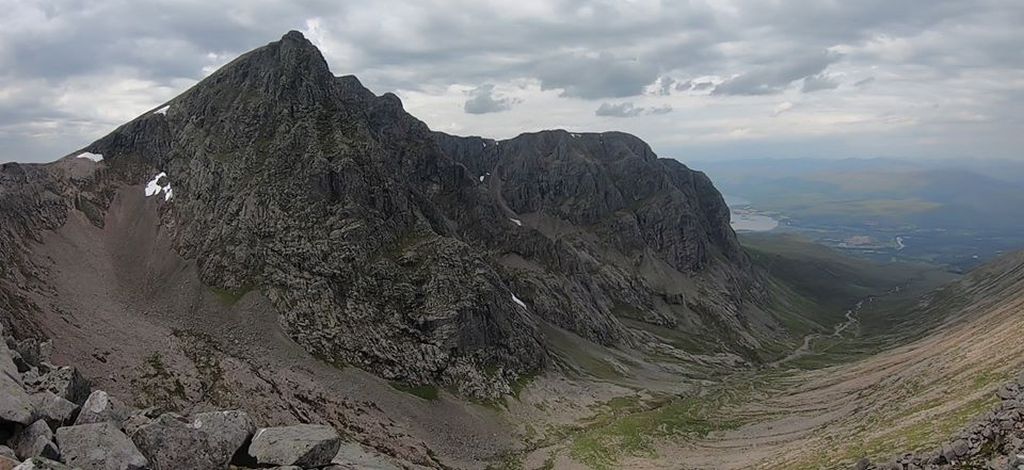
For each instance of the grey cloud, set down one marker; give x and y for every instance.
(819, 82)
(665, 85)
(772, 79)
(689, 85)
(618, 110)
(162, 40)
(864, 82)
(601, 76)
(703, 85)
(627, 109)
(483, 100)
(660, 109)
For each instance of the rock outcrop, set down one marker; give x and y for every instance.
(993, 441)
(609, 232)
(109, 435)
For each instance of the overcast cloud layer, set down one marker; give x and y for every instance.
(698, 79)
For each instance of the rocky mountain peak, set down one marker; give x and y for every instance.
(426, 258)
(290, 73)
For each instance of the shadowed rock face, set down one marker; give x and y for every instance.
(613, 181)
(634, 235)
(339, 207)
(379, 244)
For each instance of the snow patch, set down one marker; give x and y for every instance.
(516, 221)
(162, 110)
(482, 178)
(517, 301)
(575, 135)
(91, 156)
(153, 187)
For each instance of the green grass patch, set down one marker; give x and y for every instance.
(157, 385)
(630, 426)
(230, 296)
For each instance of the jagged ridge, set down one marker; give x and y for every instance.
(379, 245)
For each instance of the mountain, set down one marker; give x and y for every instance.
(274, 186)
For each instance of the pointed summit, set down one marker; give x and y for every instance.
(290, 70)
(294, 35)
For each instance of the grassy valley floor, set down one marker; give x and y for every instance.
(901, 372)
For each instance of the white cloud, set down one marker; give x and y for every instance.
(782, 107)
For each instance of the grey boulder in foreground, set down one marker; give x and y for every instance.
(207, 442)
(99, 446)
(304, 445)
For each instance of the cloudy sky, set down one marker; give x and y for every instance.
(699, 79)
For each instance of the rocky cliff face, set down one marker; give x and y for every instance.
(651, 236)
(421, 257)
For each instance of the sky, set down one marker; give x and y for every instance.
(699, 80)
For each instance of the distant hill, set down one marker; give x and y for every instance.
(972, 207)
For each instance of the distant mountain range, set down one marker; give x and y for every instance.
(963, 209)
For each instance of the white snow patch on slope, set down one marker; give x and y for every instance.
(162, 110)
(482, 178)
(91, 156)
(516, 221)
(153, 187)
(517, 301)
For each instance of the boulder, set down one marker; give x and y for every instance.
(100, 408)
(7, 366)
(99, 446)
(960, 448)
(35, 441)
(171, 442)
(305, 445)
(66, 382)
(7, 452)
(31, 353)
(55, 410)
(19, 362)
(39, 463)
(15, 404)
(227, 431)
(352, 456)
(7, 463)
(134, 422)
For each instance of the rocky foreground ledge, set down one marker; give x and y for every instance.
(994, 441)
(51, 419)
